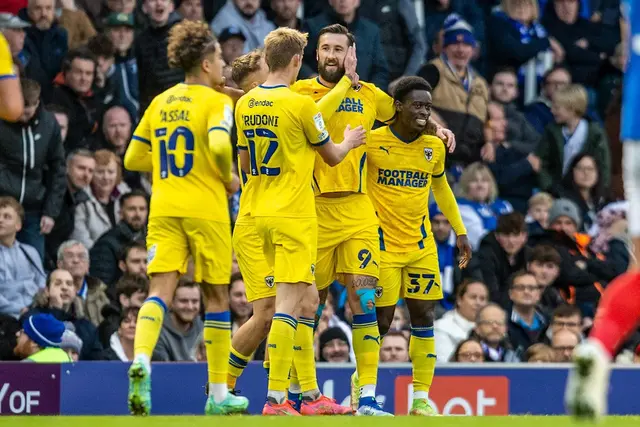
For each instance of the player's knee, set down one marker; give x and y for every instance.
(422, 313)
(310, 302)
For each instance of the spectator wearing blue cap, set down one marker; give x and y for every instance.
(232, 42)
(40, 338)
(460, 94)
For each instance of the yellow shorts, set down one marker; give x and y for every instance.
(416, 274)
(289, 246)
(258, 277)
(348, 240)
(170, 241)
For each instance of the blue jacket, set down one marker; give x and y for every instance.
(372, 64)
(126, 82)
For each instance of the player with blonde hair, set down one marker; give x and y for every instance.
(279, 133)
(183, 139)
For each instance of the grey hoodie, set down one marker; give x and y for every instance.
(175, 345)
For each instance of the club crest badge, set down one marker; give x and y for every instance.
(428, 154)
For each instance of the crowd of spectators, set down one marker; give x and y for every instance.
(537, 174)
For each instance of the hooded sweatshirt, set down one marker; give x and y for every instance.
(175, 345)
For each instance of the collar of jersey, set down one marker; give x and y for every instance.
(272, 87)
(400, 138)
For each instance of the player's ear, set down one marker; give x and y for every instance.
(399, 106)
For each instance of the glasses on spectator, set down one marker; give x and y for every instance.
(492, 322)
(566, 324)
(530, 288)
(470, 356)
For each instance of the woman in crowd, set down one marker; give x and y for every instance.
(582, 185)
(468, 351)
(97, 215)
(478, 202)
(456, 324)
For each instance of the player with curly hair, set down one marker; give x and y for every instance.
(183, 139)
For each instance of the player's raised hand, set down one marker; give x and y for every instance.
(465, 250)
(350, 64)
(448, 137)
(355, 137)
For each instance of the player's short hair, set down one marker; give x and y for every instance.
(541, 198)
(30, 91)
(407, 84)
(129, 284)
(281, 45)
(10, 202)
(337, 29)
(189, 42)
(544, 254)
(572, 97)
(123, 254)
(101, 46)
(566, 310)
(245, 65)
(511, 223)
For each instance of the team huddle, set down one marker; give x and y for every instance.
(324, 198)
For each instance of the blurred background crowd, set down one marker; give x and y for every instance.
(531, 88)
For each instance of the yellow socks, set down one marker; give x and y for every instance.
(217, 340)
(366, 346)
(303, 356)
(422, 351)
(280, 342)
(237, 363)
(150, 318)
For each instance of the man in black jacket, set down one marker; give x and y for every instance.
(150, 48)
(526, 324)
(80, 166)
(132, 227)
(32, 166)
(74, 93)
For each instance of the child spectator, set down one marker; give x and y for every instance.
(538, 214)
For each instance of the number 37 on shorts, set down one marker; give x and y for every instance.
(413, 275)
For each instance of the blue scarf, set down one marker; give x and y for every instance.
(527, 34)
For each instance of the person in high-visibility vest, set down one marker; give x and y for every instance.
(39, 340)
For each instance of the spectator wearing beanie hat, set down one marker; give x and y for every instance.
(460, 94)
(334, 346)
(40, 338)
(71, 343)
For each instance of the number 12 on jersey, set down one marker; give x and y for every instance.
(264, 169)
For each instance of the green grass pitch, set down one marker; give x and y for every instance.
(246, 421)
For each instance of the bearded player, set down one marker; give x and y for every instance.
(348, 244)
(618, 312)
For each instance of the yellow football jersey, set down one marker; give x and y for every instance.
(6, 63)
(279, 127)
(400, 175)
(177, 126)
(362, 106)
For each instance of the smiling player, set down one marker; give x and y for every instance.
(404, 165)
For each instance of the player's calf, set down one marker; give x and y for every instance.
(385, 318)
(422, 351)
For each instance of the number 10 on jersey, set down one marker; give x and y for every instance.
(263, 169)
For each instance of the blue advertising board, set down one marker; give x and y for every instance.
(178, 388)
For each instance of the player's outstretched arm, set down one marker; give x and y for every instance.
(333, 154)
(138, 156)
